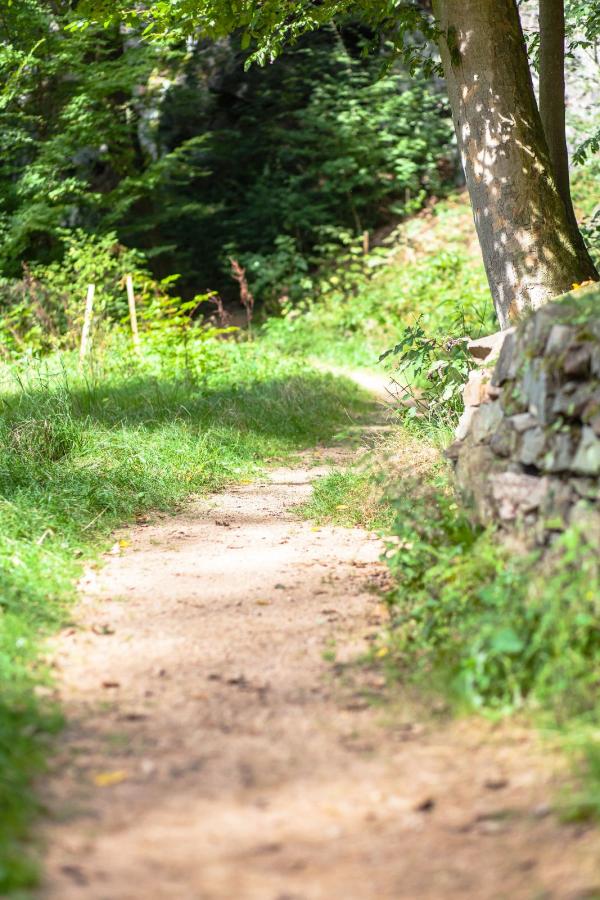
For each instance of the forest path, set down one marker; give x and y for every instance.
(214, 753)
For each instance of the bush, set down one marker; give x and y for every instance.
(504, 631)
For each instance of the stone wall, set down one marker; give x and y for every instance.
(527, 449)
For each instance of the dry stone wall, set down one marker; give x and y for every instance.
(527, 449)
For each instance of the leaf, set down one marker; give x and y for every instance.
(108, 779)
(123, 544)
(506, 640)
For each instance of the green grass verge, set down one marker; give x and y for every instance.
(350, 499)
(81, 455)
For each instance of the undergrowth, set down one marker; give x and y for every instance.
(350, 499)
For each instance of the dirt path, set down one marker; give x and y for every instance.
(213, 752)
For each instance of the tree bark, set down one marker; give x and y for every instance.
(531, 251)
(552, 99)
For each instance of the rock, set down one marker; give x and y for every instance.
(488, 348)
(513, 399)
(473, 391)
(536, 329)
(587, 488)
(472, 478)
(485, 421)
(558, 340)
(516, 494)
(504, 440)
(571, 401)
(535, 389)
(452, 452)
(595, 424)
(557, 503)
(560, 452)
(528, 457)
(532, 447)
(577, 361)
(587, 459)
(464, 423)
(522, 422)
(508, 361)
(592, 407)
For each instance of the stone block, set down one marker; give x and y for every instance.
(504, 440)
(473, 467)
(473, 391)
(594, 424)
(488, 348)
(464, 423)
(592, 407)
(536, 389)
(577, 361)
(486, 420)
(571, 400)
(516, 494)
(558, 340)
(532, 446)
(560, 452)
(508, 360)
(523, 421)
(587, 458)
(557, 504)
(586, 488)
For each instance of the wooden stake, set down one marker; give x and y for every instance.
(133, 313)
(366, 242)
(87, 322)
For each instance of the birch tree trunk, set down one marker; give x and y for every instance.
(531, 251)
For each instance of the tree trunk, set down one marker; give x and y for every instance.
(531, 251)
(552, 100)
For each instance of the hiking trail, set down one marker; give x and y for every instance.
(223, 743)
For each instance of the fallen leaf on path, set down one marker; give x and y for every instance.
(111, 684)
(123, 544)
(108, 779)
(263, 602)
(383, 651)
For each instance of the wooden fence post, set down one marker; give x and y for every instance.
(87, 322)
(133, 313)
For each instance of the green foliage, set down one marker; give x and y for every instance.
(350, 499)
(438, 369)
(309, 150)
(186, 155)
(424, 271)
(504, 630)
(44, 310)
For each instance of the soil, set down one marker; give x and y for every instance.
(227, 741)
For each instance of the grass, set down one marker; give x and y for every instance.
(429, 268)
(80, 455)
(350, 499)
